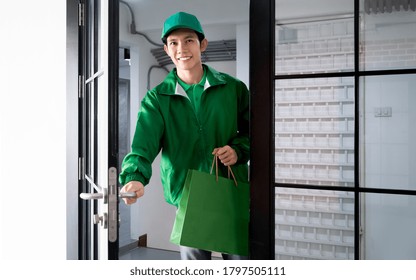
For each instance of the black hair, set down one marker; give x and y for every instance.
(200, 37)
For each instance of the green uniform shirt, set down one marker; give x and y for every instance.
(167, 122)
(194, 91)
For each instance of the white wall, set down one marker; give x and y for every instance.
(32, 131)
(389, 152)
(243, 51)
(388, 141)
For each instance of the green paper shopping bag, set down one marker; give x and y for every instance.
(213, 214)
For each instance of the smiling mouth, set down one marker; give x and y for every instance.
(184, 58)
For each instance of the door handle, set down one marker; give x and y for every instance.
(127, 195)
(89, 196)
(109, 195)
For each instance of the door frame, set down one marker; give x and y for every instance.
(113, 77)
(98, 241)
(72, 194)
(261, 134)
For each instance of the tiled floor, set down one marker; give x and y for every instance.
(141, 253)
(144, 253)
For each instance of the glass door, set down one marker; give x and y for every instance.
(98, 129)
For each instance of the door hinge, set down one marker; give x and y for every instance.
(81, 82)
(81, 14)
(81, 169)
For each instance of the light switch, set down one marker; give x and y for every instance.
(377, 112)
(386, 111)
(383, 112)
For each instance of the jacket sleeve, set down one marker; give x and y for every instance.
(137, 164)
(241, 143)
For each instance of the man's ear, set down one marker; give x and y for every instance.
(166, 49)
(204, 45)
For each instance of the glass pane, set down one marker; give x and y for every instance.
(388, 131)
(314, 36)
(125, 238)
(98, 34)
(389, 227)
(89, 130)
(314, 224)
(314, 131)
(387, 36)
(90, 42)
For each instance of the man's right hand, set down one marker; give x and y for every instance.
(133, 186)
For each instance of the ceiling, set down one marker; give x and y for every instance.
(150, 14)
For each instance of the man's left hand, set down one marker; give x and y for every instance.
(226, 155)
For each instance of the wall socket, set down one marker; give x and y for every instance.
(383, 112)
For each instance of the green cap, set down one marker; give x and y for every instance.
(181, 20)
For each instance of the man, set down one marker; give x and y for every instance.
(195, 113)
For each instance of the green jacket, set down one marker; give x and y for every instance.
(168, 122)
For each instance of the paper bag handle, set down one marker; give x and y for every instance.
(215, 161)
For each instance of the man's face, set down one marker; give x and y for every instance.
(184, 48)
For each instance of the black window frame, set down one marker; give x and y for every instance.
(262, 172)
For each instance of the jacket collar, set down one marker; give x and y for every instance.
(170, 85)
(180, 91)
